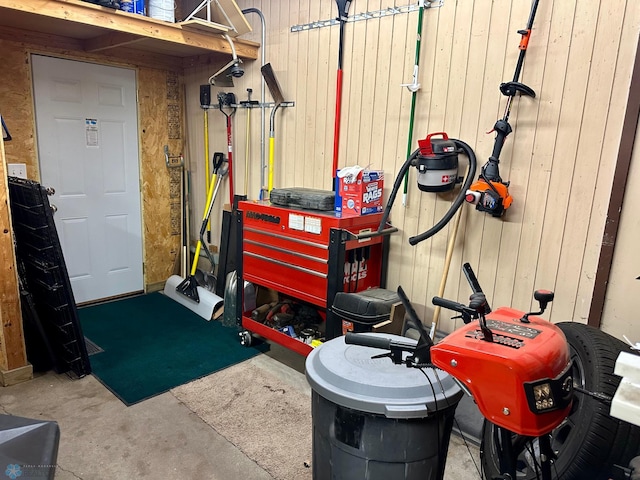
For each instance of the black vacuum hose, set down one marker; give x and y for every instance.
(396, 187)
(457, 203)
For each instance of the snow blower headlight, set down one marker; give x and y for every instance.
(550, 394)
(543, 396)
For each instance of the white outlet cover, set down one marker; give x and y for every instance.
(17, 170)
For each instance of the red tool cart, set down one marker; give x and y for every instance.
(309, 256)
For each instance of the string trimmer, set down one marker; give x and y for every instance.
(490, 193)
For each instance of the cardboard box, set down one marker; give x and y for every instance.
(359, 193)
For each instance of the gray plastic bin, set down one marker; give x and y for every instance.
(376, 420)
(28, 447)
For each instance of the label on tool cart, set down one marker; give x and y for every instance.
(296, 222)
(313, 225)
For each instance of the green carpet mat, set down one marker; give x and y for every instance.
(152, 344)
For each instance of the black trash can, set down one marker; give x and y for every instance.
(376, 420)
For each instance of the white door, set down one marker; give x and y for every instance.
(87, 131)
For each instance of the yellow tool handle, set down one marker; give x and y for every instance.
(206, 149)
(205, 217)
(206, 155)
(247, 153)
(194, 266)
(271, 148)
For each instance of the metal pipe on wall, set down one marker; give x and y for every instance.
(263, 40)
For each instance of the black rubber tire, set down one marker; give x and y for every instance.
(634, 465)
(590, 442)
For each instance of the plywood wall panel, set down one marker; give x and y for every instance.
(161, 246)
(16, 106)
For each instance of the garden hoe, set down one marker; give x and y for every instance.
(186, 291)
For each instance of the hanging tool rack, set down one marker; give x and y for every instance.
(358, 17)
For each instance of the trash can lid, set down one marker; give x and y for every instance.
(348, 376)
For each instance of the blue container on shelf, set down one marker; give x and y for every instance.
(132, 6)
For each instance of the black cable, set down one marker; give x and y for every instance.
(532, 452)
(396, 188)
(435, 401)
(464, 440)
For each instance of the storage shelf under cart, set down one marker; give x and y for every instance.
(305, 255)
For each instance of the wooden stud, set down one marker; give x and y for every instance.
(12, 348)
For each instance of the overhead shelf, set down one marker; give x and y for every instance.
(99, 28)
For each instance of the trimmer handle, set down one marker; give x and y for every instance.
(509, 89)
(502, 129)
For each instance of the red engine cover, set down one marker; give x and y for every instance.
(495, 372)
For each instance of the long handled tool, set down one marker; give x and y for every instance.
(248, 104)
(276, 92)
(413, 88)
(205, 102)
(228, 100)
(209, 280)
(490, 193)
(343, 11)
(186, 291)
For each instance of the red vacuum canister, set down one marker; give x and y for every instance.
(521, 380)
(437, 163)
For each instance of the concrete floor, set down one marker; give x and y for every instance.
(101, 438)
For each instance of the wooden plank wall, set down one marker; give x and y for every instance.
(559, 158)
(620, 313)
